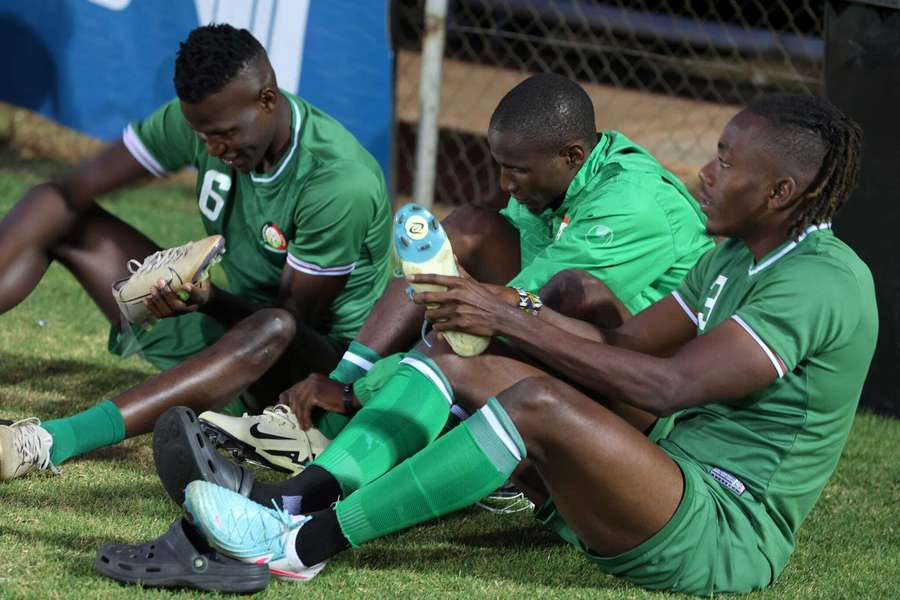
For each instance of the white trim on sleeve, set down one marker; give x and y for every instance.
(314, 269)
(687, 309)
(140, 152)
(774, 358)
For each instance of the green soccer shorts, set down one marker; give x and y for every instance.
(714, 543)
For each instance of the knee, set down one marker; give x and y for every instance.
(468, 226)
(572, 289)
(531, 403)
(580, 295)
(464, 220)
(271, 329)
(537, 409)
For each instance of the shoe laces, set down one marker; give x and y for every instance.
(256, 527)
(158, 259)
(506, 499)
(31, 446)
(280, 414)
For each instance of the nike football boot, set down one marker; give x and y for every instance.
(273, 439)
(183, 264)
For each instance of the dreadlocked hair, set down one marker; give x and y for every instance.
(210, 58)
(812, 135)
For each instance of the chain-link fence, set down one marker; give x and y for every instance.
(667, 73)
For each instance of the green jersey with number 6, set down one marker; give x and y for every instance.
(323, 210)
(810, 305)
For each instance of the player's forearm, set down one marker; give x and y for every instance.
(577, 327)
(644, 381)
(229, 309)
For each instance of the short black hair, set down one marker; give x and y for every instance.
(210, 58)
(547, 111)
(810, 134)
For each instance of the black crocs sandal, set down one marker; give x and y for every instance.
(180, 558)
(183, 454)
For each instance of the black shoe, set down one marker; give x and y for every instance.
(180, 558)
(183, 454)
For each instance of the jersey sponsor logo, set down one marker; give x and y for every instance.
(262, 435)
(211, 200)
(714, 290)
(274, 238)
(599, 235)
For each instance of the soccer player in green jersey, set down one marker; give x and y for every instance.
(579, 199)
(760, 355)
(305, 214)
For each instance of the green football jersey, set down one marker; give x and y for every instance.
(810, 305)
(625, 219)
(323, 210)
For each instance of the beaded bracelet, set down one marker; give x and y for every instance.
(528, 301)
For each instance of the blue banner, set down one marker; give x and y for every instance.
(95, 65)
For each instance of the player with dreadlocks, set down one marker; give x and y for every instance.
(302, 206)
(760, 355)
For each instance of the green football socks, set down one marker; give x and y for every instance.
(98, 426)
(453, 472)
(398, 421)
(355, 363)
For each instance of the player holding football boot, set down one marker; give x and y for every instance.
(304, 212)
(579, 199)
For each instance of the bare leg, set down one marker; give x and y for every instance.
(309, 352)
(613, 486)
(486, 246)
(580, 295)
(209, 379)
(94, 245)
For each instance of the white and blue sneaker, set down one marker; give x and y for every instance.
(247, 531)
(423, 247)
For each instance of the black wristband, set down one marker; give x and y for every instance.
(349, 409)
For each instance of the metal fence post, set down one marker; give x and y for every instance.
(429, 102)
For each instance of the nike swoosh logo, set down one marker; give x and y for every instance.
(260, 435)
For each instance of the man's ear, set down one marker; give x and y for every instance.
(574, 155)
(783, 194)
(268, 99)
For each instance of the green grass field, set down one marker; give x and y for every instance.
(53, 361)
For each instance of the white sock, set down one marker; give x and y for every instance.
(290, 547)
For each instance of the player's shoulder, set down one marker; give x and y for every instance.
(825, 264)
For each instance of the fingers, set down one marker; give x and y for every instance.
(166, 302)
(441, 312)
(445, 280)
(431, 298)
(301, 409)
